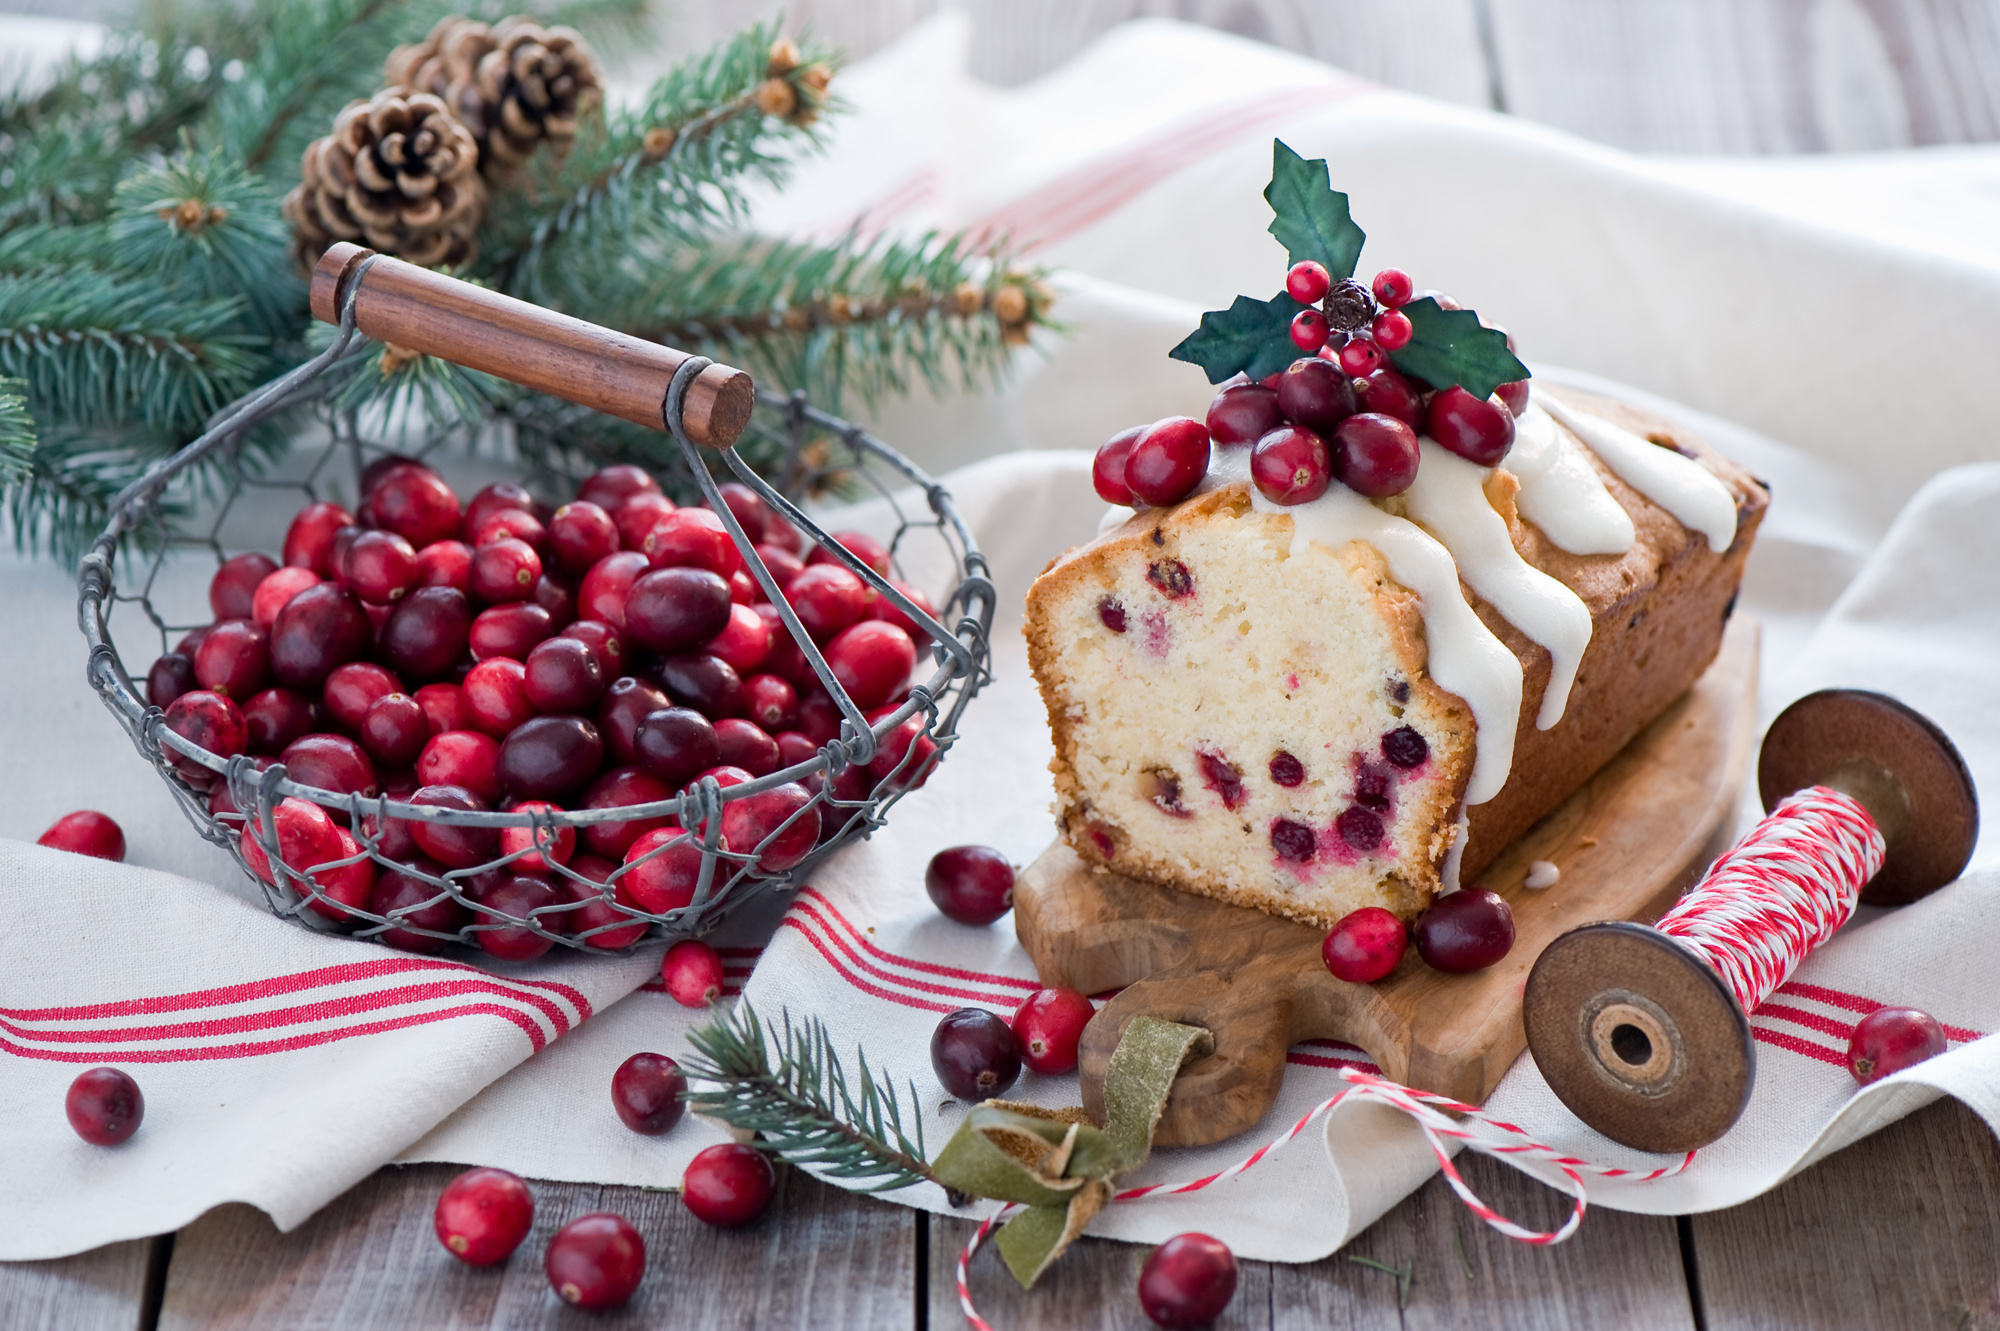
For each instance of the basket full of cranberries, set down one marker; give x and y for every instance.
(516, 721)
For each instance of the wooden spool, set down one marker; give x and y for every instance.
(608, 371)
(1639, 1035)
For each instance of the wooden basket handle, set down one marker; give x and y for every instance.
(612, 372)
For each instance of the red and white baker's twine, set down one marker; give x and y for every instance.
(1755, 915)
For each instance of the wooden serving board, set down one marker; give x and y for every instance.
(1628, 844)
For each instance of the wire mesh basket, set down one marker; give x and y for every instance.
(684, 879)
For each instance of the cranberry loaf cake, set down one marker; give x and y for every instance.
(1309, 705)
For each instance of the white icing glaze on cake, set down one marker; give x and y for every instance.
(1694, 495)
(1561, 493)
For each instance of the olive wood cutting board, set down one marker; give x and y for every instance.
(1627, 843)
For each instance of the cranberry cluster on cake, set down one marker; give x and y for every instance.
(1380, 611)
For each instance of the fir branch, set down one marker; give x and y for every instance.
(210, 229)
(802, 1105)
(17, 432)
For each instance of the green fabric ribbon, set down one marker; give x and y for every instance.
(1057, 1163)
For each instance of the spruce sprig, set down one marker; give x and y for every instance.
(800, 1102)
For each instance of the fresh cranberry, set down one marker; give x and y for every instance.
(461, 758)
(1361, 357)
(903, 755)
(1312, 393)
(499, 497)
(1309, 330)
(1479, 430)
(309, 540)
(1048, 1026)
(1393, 288)
(444, 708)
(170, 677)
(509, 524)
(276, 717)
(1293, 840)
(234, 587)
(1466, 930)
(1243, 414)
(596, 1261)
(729, 1185)
(1187, 1281)
(275, 592)
(306, 837)
(428, 632)
(1392, 330)
(637, 516)
(352, 689)
(505, 571)
(190, 643)
(606, 643)
(774, 824)
(970, 884)
(747, 507)
(618, 788)
(516, 898)
(210, 721)
(233, 659)
(744, 589)
(1290, 465)
(603, 916)
(104, 1106)
(601, 594)
(703, 682)
(510, 630)
(319, 629)
(692, 538)
(330, 762)
(692, 973)
(86, 832)
(819, 715)
(1388, 393)
(580, 534)
(826, 598)
(414, 502)
(1890, 1039)
(496, 693)
(771, 702)
(779, 532)
(747, 745)
(646, 1091)
(1308, 282)
(537, 846)
(1375, 455)
(677, 609)
(974, 1054)
(483, 1215)
(886, 611)
(1107, 470)
(782, 564)
(611, 486)
(395, 730)
(1365, 946)
(424, 909)
(1405, 747)
(1168, 460)
(557, 598)
(661, 872)
(677, 744)
(871, 660)
(346, 888)
(625, 703)
(563, 675)
(744, 641)
(549, 756)
(795, 748)
(445, 564)
(380, 567)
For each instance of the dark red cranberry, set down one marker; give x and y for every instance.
(499, 497)
(1168, 460)
(603, 917)
(771, 702)
(1890, 1039)
(210, 721)
(580, 534)
(1479, 430)
(1048, 1027)
(549, 756)
(728, 1185)
(1286, 770)
(1171, 577)
(1242, 415)
(428, 632)
(496, 693)
(1309, 330)
(625, 704)
(1290, 465)
(1187, 1281)
(636, 518)
(857, 543)
(606, 643)
(563, 675)
(104, 1106)
(795, 748)
(611, 486)
(1392, 330)
(747, 507)
(783, 534)
(483, 1215)
(1466, 930)
(1393, 288)
(1371, 789)
(556, 597)
(703, 682)
(1111, 614)
(377, 468)
(596, 1261)
(1514, 395)
(86, 832)
(782, 563)
(975, 1054)
(233, 659)
(445, 708)
(517, 897)
(414, 502)
(395, 730)
(692, 973)
(819, 714)
(842, 802)
(352, 689)
(509, 630)
(190, 642)
(618, 788)
(1107, 470)
(646, 1091)
(871, 660)
(1313, 393)
(505, 571)
(1405, 747)
(1221, 776)
(330, 762)
(1308, 282)
(677, 609)
(462, 758)
(424, 907)
(774, 823)
(662, 869)
(321, 628)
(827, 598)
(1293, 840)
(1360, 828)
(747, 745)
(171, 676)
(970, 884)
(1375, 454)
(276, 717)
(1361, 357)
(445, 564)
(1387, 393)
(1365, 946)
(744, 641)
(380, 566)
(235, 584)
(692, 538)
(309, 540)
(601, 594)
(275, 592)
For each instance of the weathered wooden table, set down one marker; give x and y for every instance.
(1902, 1230)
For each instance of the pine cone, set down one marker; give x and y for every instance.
(1349, 306)
(513, 85)
(398, 172)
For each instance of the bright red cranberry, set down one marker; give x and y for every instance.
(886, 611)
(692, 538)
(613, 485)
(1168, 460)
(773, 823)
(771, 702)
(424, 909)
(1362, 357)
(703, 682)
(86, 832)
(233, 659)
(319, 629)
(1890, 1039)
(637, 516)
(1290, 465)
(619, 788)
(1048, 1026)
(1293, 840)
(662, 870)
(1107, 470)
(580, 534)
(496, 693)
(483, 1215)
(1365, 946)
(1405, 747)
(306, 837)
(234, 587)
(1308, 282)
(795, 748)
(974, 1054)
(783, 534)
(463, 758)
(625, 703)
(677, 744)
(499, 497)
(871, 660)
(309, 540)
(563, 675)
(646, 1091)
(537, 847)
(1479, 430)
(1391, 330)
(729, 1185)
(827, 598)
(782, 563)
(517, 898)
(210, 721)
(1375, 455)
(1515, 395)
(1286, 770)
(596, 1261)
(1242, 415)
(692, 972)
(170, 677)
(603, 917)
(505, 571)
(104, 1106)
(510, 630)
(428, 632)
(1187, 1281)
(744, 641)
(549, 756)
(509, 524)
(1393, 288)
(277, 590)
(380, 567)
(352, 689)
(1466, 930)
(970, 884)
(677, 609)
(330, 762)
(1390, 394)
(1314, 394)
(395, 730)
(414, 502)
(857, 543)
(748, 508)
(276, 717)
(747, 745)
(1309, 330)
(903, 756)
(445, 564)
(445, 708)
(601, 594)
(604, 641)
(346, 888)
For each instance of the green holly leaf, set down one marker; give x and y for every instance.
(1251, 336)
(1452, 347)
(1312, 221)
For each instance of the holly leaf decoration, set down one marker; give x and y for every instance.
(1251, 336)
(1312, 221)
(1452, 347)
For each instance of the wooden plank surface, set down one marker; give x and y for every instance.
(113, 1288)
